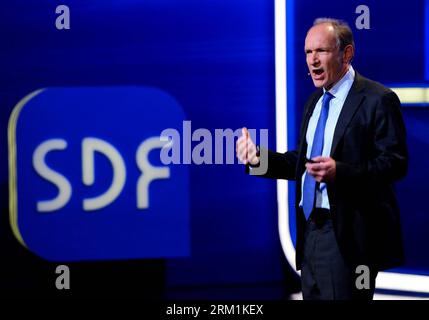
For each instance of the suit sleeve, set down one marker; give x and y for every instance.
(390, 159)
(278, 165)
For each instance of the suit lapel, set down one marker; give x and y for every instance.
(352, 103)
(302, 148)
(309, 108)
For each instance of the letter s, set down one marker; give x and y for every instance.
(52, 176)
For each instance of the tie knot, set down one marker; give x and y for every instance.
(326, 98)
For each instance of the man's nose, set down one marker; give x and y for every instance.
(314, 58)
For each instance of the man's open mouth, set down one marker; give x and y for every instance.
(318, 72)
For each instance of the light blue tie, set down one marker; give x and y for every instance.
(309, 189)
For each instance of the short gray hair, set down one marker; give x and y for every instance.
(342, 30)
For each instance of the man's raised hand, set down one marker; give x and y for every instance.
(246, 149)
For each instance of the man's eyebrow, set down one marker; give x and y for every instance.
(317, 49)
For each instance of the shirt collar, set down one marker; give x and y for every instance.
(342, 87)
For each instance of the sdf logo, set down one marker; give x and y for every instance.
(89, 147)
(86, 180)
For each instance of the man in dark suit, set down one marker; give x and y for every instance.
(352, 149)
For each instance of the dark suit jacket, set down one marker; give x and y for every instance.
(370, 151)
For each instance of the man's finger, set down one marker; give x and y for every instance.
(241, 139)
(310, 171)
(242, 157)
(321, 159)
(240, 145)
(318, 166)
(250, 146)
(315, 167)
(242, 149)
(241, 142)
(251, 154)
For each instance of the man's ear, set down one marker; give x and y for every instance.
(348, 53)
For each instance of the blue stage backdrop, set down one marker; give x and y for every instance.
(126, 70)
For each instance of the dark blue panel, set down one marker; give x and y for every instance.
(216, 58)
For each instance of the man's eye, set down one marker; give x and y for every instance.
(317, 51)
